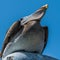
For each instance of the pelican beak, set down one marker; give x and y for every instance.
(37, 15)
(44, 7)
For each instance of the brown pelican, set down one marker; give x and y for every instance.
(26, 34)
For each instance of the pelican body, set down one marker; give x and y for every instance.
(26, 35)
(27, 56)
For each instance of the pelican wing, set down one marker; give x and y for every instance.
(10, 33)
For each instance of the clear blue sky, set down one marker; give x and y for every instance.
(12, 10)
